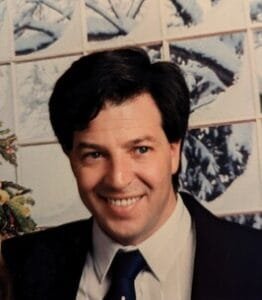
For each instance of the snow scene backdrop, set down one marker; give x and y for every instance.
(218, 45)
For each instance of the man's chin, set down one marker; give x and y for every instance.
(123, 233)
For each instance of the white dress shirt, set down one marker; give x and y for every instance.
(169, 253)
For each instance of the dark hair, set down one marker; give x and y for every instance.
(116, 76)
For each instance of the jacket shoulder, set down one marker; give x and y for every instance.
(49, 240)
(228, 263)
(48, 264)
(209, 225)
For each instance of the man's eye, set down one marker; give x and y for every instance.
(93, 155)
(142, 149)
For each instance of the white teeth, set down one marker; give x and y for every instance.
(124, 201)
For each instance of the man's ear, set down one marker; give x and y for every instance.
(175, 149)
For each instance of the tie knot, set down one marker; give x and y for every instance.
(128, 264)
(125, 267)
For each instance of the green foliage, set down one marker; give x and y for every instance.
(7, 146)
(15, 200)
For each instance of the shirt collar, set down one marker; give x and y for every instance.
(167, 243)
(104, 251)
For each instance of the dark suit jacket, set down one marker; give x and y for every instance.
(228, 264)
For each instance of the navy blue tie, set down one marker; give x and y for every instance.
(125, 267)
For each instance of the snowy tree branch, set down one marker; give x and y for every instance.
(24, 19)
(65, 13)
(43, 27)
(225, 75)
(113, 9)
(130, 9)
(105, 15)
(189, 10)
(183, 13)
(134, 10)
(199, 105)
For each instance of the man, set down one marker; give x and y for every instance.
(121, 121)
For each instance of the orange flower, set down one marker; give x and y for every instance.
(4, 196)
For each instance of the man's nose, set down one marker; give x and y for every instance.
(119, 174)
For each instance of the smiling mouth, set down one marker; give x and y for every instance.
(123, 202)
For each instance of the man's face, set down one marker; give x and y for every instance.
(123, 164)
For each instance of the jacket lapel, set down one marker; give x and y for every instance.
(211, 252)
(70, 262)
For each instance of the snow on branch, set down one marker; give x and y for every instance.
(189, 11)
(134, 9)
(213, 158)
(54, 32)
(211, 65)
(23, 19)
(112, 18)
(66, 13)
(39, 23)
(113, 8)
(224, 69)
(98, 9)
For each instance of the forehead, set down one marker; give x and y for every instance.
(136, 117)
(138, 111)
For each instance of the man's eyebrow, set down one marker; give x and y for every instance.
(131, 143)
(87, 145)
(143, 139)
